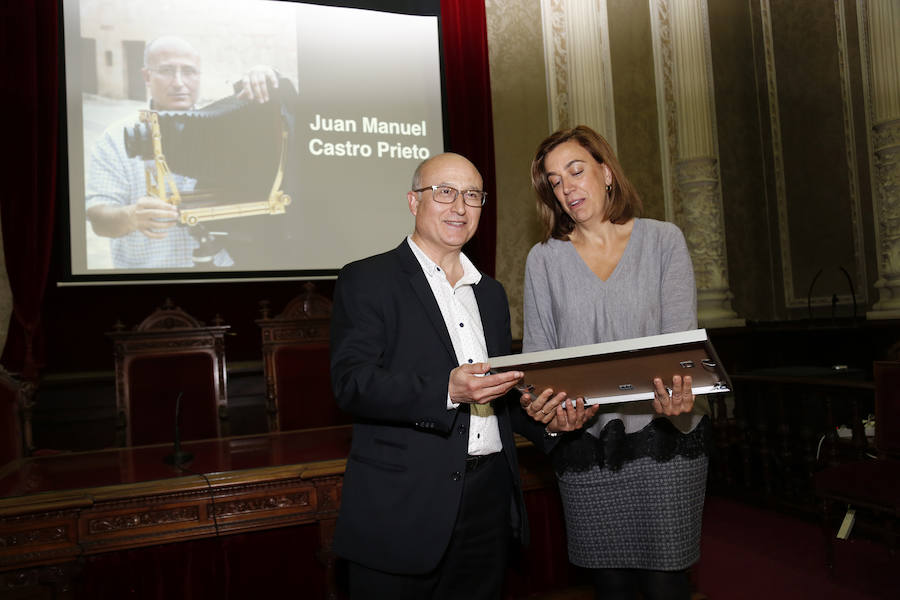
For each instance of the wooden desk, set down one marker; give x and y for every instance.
(54, 508)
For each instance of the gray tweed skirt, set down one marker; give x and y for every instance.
(646, 515)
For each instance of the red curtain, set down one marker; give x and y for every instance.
(31, 89)
(468, 93)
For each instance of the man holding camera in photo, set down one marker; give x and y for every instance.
(143, 229)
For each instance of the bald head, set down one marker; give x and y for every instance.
(443, 228)
(172, 73)
(168, 44)
(434, 162)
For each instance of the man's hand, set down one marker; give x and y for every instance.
(256, 83)
(680, 400)
(557, 414)
(470, 384)
(152, 217)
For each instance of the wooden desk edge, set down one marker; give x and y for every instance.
(86, 497)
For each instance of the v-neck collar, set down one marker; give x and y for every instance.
(625, 254)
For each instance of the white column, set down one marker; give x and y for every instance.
(696, 162)
(579, 76)
(884, 59)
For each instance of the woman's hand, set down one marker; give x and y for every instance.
(678, 400)
(543, 408)
(572, 416)
(557, 414)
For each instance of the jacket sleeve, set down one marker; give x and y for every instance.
(376, 373)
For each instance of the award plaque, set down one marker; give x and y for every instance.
(621, 371)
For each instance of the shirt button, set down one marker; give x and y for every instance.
(456, 476)
(460, 324)
(471, 361)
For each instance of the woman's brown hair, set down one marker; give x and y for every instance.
(624, 202)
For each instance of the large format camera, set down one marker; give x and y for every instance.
(237, 150)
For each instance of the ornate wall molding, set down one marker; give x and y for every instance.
(859, 251)
(865, 49)
(777, 154)
(887, 174)
(579, 72)
(660, 28)
(683, 62)
(791, 296)
(880, 21)
(556, 60)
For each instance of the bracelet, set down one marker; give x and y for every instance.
(550, 434)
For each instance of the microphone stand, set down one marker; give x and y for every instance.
(178, 457)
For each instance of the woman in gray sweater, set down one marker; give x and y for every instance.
(632, 481)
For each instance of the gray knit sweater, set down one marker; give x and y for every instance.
(651, 291)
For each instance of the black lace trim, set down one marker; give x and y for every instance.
(660, 440)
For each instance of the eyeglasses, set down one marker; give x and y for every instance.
(447, 195)
(168, 72)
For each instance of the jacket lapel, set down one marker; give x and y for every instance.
(422, 290)
(489, 320)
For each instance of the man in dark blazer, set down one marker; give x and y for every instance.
(431, 495)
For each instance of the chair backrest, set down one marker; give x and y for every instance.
(296, 360)
(887, 407)
(170, 356)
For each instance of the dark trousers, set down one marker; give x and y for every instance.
(630, 584)
(474, 563)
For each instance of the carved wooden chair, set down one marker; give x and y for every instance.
(170, 355)
(874, 484)
(296, 360)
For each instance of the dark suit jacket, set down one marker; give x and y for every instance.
(391, 358)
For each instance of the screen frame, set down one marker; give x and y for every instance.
(62, 253)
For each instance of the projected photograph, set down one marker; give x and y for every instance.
(243, 136)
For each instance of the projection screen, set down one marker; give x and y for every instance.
(163, 106)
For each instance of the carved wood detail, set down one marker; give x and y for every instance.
(143, 519)
(33, 537)
(263, 503)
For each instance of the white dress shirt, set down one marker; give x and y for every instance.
(463, 320)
